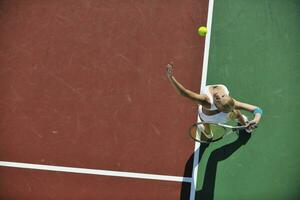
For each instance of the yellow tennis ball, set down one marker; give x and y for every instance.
(202, 30)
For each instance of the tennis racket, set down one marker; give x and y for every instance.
(217, 130)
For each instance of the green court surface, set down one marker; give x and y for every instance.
(255, 52)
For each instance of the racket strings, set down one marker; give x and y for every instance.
(199, 133)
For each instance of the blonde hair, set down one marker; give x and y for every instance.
(228, 103)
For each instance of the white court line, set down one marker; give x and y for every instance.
(203, 83)
(95, 172)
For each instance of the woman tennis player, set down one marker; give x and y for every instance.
(216, 105)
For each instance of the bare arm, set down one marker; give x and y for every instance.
(249, 108)
(240, 117)
(198, 98)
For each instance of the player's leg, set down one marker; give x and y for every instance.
(206, 131)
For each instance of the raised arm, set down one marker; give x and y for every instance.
(198, 98)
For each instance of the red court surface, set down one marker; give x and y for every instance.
(83, 85)
(24, 184)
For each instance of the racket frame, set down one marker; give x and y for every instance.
(231, 129)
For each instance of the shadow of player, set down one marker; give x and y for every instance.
(222, 153)
(185, 187)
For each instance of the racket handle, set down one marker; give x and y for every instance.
(248, 130)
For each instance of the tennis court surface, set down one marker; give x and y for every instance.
(254, 51)
(86, 109)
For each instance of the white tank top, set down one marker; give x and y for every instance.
(220, 117)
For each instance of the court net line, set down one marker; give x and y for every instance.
(95, 172)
